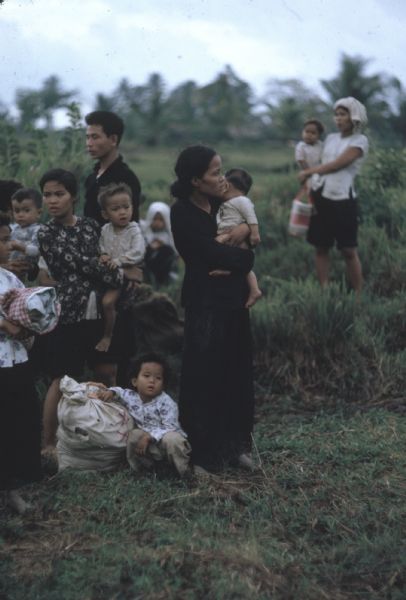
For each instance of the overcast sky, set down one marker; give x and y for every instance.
(92, 44)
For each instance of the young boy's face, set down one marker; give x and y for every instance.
(25, 212)
(58, 200)
(98, 143)
(149, 382)
(310, 134)
(118, 210)
(4, 244)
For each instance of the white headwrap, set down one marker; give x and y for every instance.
(357, 110)
(163, 209)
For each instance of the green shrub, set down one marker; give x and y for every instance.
(322, 347)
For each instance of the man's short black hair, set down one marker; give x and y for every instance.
(111, 123)
(240, 178)
(7, 189)
(28, 194)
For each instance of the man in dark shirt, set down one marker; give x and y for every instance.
(103, 134)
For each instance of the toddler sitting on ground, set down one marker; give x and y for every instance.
(158, 435)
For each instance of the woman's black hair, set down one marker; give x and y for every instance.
(65, 178)
(192, 162)
(149, 357)
(7, 189)
(4, 220)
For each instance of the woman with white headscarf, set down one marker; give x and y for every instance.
(161, 255)
(335, 219)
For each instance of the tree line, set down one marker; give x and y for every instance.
(226, 108)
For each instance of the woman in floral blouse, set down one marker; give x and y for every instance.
(20, 437)
(70, 246)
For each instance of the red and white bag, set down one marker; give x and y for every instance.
(300, 213)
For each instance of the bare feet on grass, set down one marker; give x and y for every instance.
(104, 344)
(253, 297)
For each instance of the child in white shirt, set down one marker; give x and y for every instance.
(121, 244)
(235, 209)
(27, 207)
(308, 152)
(158, 434)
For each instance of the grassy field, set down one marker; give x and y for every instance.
(324, 517)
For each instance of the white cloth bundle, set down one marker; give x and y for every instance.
(37, 309)
(92, 434)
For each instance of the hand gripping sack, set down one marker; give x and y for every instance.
(92, 434)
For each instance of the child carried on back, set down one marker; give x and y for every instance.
(235, 209)
(158, 434)
(121, 244)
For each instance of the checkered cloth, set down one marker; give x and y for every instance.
(36, 309)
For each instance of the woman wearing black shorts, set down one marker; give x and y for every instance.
(336, 216)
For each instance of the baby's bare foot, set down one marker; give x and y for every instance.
(104, 344)
(253, 298)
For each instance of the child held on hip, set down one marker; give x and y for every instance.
(121, 244)
(235, 209)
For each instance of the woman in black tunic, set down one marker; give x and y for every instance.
(216, 391)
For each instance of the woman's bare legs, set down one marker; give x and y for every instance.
(353, 268)
(50, 416)
(322, 261)
(352, 264)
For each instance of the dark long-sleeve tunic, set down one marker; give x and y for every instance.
(216, 398)
(194, 233)
(117, 172)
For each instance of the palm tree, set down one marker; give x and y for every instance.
(374, 91)
(52, 97)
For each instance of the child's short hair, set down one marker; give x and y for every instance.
(111, 123)
(240, 178)
(7, 189)
(318, 124)
(148, 357)
(28, 194)
(65, 178)
(110, 190)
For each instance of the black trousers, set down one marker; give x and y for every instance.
(20, 427)
(216, 392)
